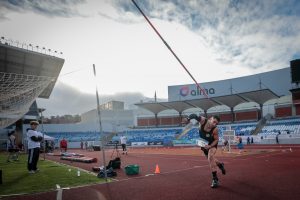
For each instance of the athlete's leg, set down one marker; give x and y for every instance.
(218, 163)
(212, 160)
(213, 166)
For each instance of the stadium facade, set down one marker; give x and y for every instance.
(247, 98)
(278, 81)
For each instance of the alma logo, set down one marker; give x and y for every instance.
(185, 90)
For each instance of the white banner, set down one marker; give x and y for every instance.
(139, 143)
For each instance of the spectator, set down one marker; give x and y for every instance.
(86, 145)
(252, 140)
(13, 150)
(123, 141)
(277, 140)
(248, 140)
(63, 145)
(81, 144)
(34, 143)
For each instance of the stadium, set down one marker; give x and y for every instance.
(173, 149)
(263, 107)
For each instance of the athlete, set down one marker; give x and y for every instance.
(208, 131)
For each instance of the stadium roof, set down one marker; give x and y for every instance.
(258, 96)
(22, 61)
(24, 76)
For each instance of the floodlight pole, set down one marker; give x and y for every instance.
(100, 126)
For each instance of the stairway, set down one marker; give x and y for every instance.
(260, 125)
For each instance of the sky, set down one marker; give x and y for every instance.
(215, 40)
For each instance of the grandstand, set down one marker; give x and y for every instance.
(26, 73)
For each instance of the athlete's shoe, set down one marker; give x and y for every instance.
(215, 183)
(222, 168)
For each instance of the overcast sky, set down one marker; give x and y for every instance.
(214, 39)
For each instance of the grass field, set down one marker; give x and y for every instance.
(17, 180)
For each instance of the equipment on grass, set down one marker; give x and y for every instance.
(115, 163)
(79, 159)
(109, 172)
(132, 169)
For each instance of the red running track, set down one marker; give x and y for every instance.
(271, 175)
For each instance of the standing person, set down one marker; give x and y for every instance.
(63, 145)
(81, 144)
(208, 131)
(123, 141)
(86, 145)
(34, 143)
(277, 139)
(248, 140)
(13, 150)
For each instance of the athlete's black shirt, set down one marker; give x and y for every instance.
(208, 136)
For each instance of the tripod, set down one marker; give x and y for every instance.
(116, 150)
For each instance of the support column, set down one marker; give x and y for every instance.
(233, 115)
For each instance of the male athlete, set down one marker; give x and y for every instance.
(208, 131)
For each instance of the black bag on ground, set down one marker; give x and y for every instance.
(109, 172)
(115, 163)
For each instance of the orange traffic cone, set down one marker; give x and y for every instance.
(157, 170)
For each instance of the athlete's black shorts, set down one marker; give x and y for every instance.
(205, 151)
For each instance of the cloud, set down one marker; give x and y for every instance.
(257, 34)
(68, 100)
(49, 8)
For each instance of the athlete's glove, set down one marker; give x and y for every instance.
(193, 116)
